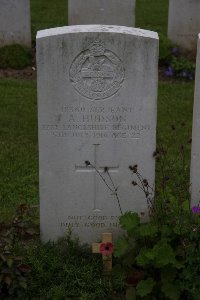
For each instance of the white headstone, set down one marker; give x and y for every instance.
(15, 22)
(184, 23)
(195, 159)
(108, 12)
(97, 89)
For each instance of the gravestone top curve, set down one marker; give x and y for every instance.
(96, 28)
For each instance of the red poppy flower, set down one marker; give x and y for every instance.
(106, 248)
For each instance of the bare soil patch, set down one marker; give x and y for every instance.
(26, 73)
(30, 73)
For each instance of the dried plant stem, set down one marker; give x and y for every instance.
(113, 189)
(102, 177)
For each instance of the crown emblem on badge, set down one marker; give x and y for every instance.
(97, 48)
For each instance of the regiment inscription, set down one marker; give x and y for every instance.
(96, 122)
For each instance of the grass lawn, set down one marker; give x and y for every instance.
(47, 14)
(71, 273)
(152, 15)
(18, 151)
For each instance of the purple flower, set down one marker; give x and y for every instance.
(184, 74)
(169, 72)
(190, 77)
(175, 50)
(196, 209)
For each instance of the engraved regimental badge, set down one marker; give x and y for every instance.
(97, 73)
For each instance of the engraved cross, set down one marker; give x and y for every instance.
(101, 169)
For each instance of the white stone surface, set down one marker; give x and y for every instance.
(97, 90)
(195, 157)
(184, 23)
(15, 22)
(109, 12)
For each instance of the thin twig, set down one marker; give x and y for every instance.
(101, 177)
(116, 194)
